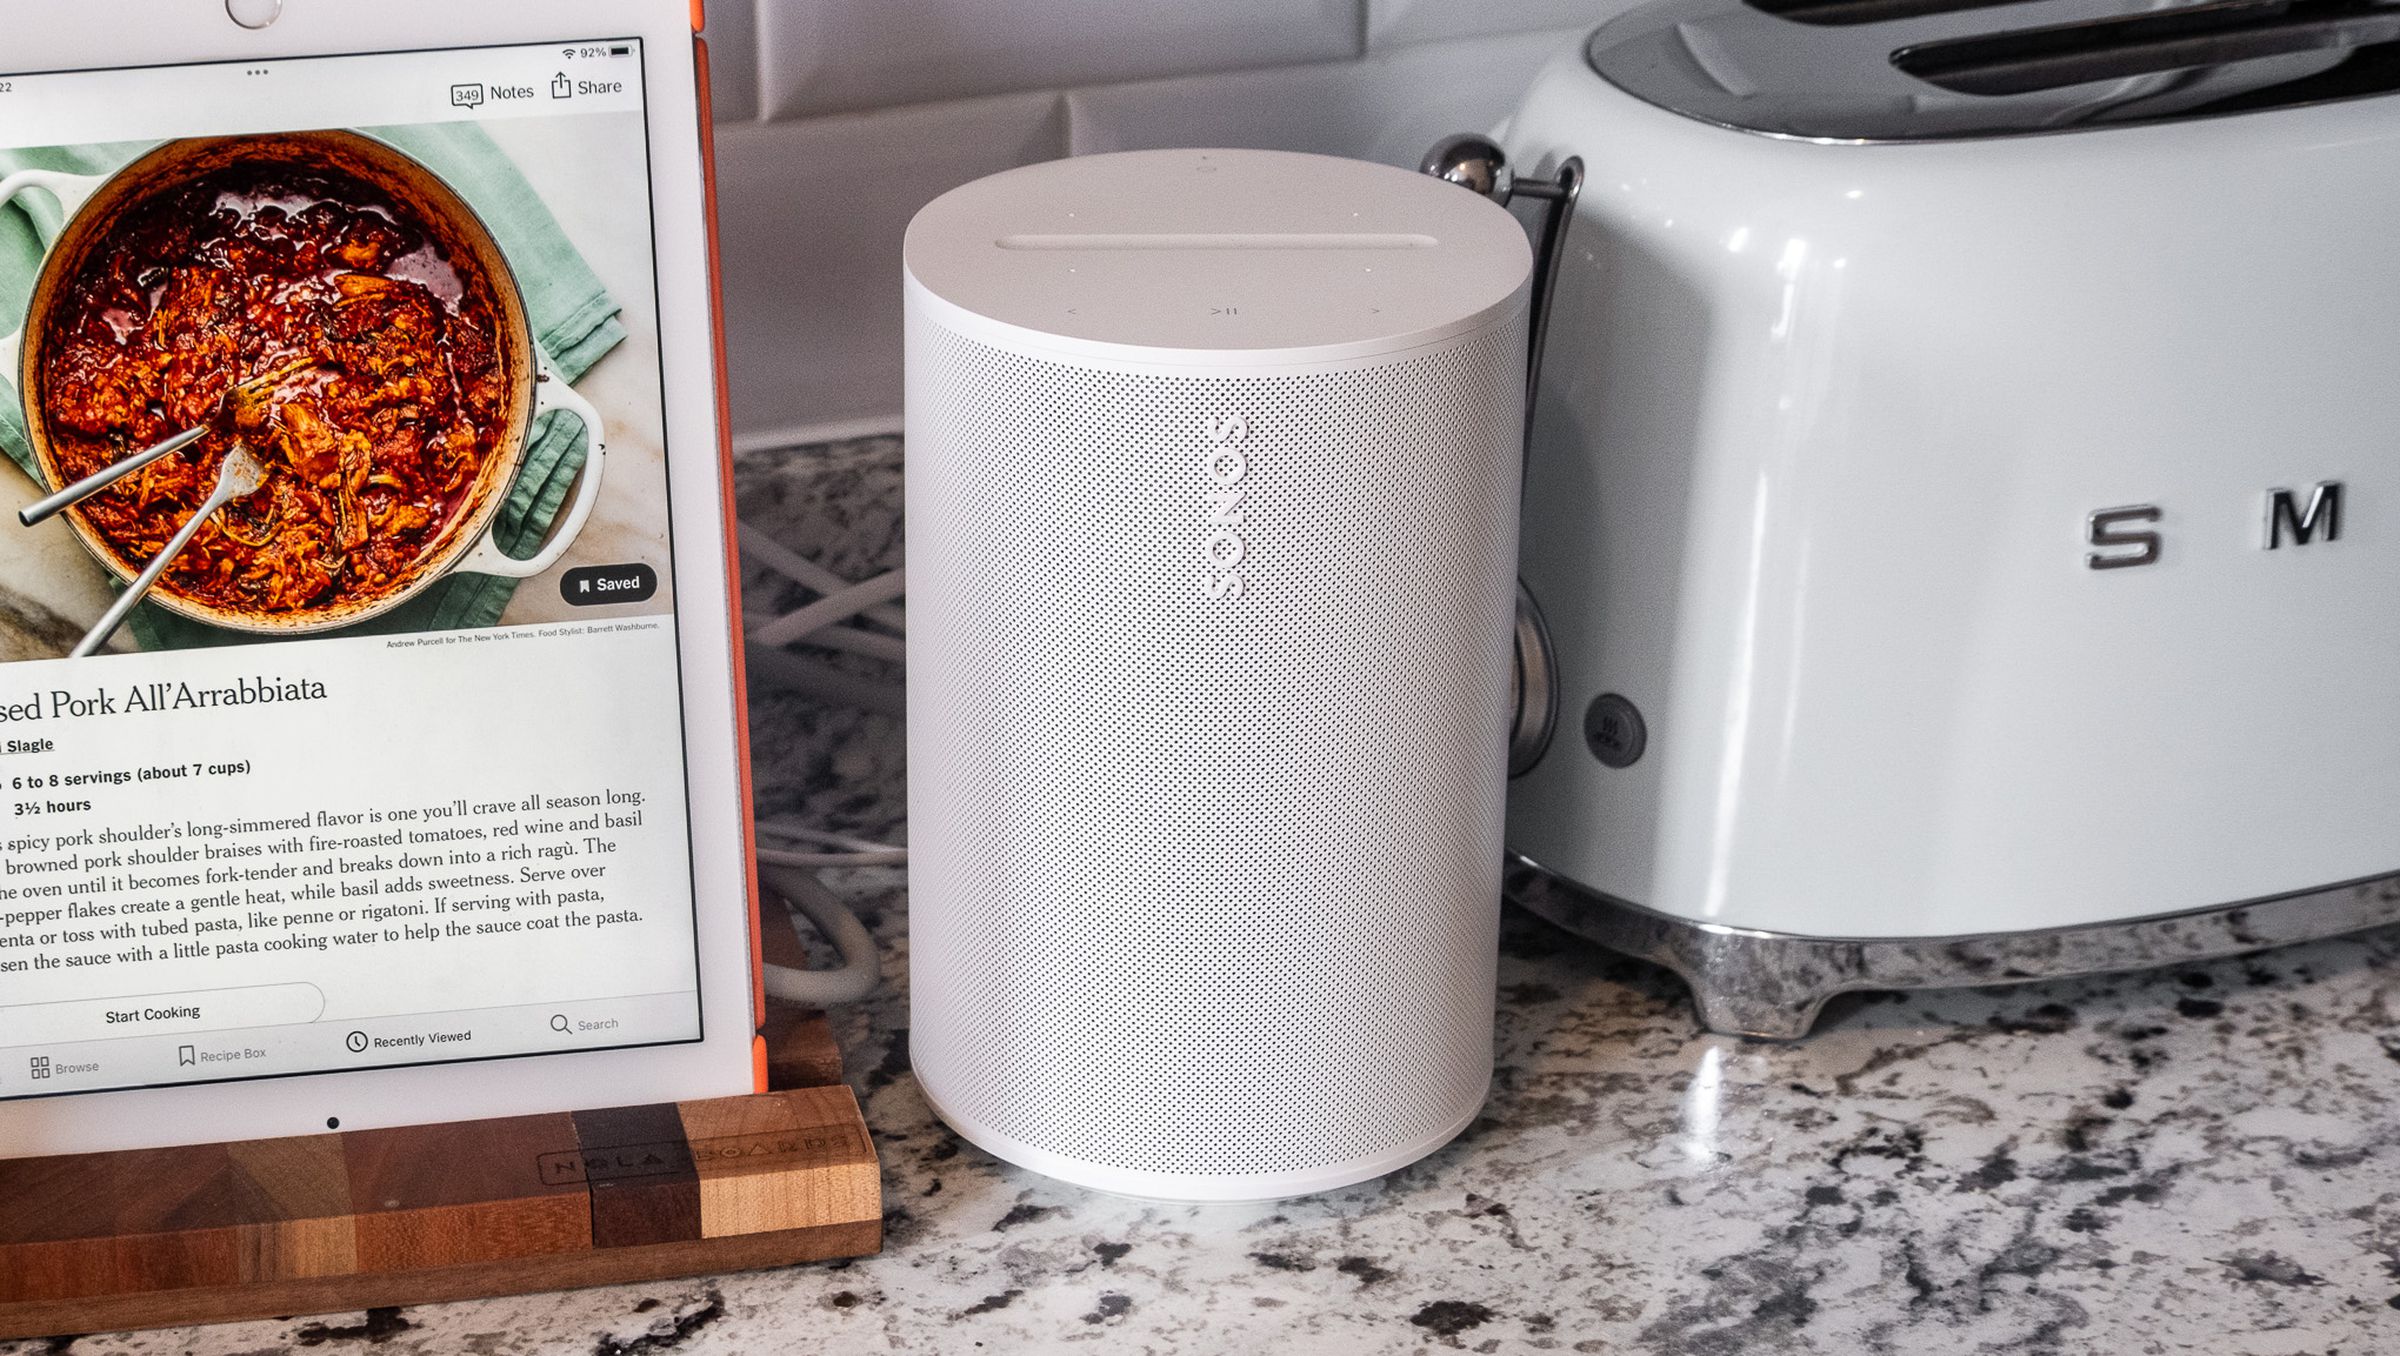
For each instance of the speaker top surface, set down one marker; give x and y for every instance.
(1220, 258)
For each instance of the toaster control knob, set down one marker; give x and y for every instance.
(1614, 729)
(1473, 162)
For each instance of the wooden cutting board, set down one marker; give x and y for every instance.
(361, 1219)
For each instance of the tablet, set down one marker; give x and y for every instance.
(411, 786)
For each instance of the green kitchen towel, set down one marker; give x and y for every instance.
(574, 322)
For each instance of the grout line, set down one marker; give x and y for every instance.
(1073, 107)
(1361, 37)
(758, 61)
(1359, 53)
(1063, 113)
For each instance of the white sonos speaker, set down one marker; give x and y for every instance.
(1213, 463)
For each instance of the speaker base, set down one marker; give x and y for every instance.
(1185, 1187)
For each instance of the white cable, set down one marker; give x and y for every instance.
(779, 857)
(784, 828)
(792, 565)
(860, 970)
(854, 851)
(872, 644)
(781, 668)
(832, 608)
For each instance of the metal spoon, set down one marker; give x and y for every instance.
(243, 400)
(241, 475)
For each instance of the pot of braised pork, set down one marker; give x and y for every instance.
(326, 301)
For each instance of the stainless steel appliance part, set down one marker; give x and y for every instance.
(1923, 70)
(1773, 985)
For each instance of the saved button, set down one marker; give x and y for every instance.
(596, 585)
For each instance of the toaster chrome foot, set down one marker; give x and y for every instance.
(1772, 985)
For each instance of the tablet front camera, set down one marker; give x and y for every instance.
(254, 13)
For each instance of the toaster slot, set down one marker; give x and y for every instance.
(2195, 38)
(1842, 13)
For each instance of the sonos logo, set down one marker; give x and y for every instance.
(1225, 475)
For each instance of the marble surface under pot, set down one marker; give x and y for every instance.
(2205, 1159)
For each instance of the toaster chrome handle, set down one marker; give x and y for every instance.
(1536, 687)
(1477, 164)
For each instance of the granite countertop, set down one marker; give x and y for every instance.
(2202, 1159)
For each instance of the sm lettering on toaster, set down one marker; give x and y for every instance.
(2130, 537)
(1224, 492)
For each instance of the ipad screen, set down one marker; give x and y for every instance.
(385, 766)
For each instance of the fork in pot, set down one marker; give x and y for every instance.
(241, 475)
(246, 403)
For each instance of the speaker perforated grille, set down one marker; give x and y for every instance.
(1208, 887)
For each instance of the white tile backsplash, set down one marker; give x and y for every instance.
(839, 118)
(1388, 108)
(812, 214)
(733, 60)
(1400, 23)
(825, 56)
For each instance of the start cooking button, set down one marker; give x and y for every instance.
(596, 585)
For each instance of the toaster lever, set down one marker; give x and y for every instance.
(1477, 164)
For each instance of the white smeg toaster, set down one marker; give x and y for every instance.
(1962, 517)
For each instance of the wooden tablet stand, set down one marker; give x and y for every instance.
(335, 1222)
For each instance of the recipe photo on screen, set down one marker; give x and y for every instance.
(340, 713)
